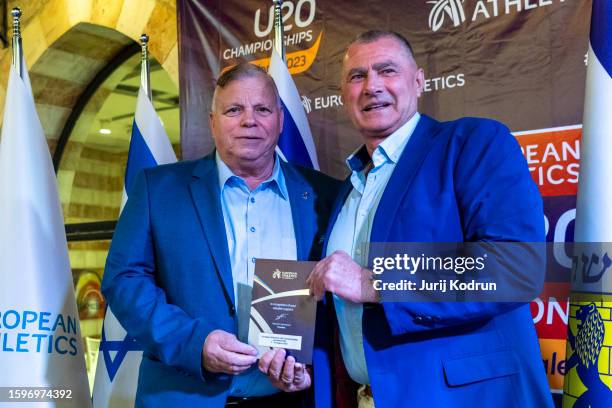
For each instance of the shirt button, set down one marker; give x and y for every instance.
(358, 251)
(252, 229)
(253, 259)
(252, 199)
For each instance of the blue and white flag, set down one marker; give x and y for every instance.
(40, 333)
(594, 206)
(295, 143)
(587, 379)
(120, 355)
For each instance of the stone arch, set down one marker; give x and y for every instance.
(66, 44)
(44, 22)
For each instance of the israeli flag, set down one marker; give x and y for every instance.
(120, 355)
(295, 142)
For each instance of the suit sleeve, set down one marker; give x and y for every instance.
(497, 201)
(162, 329)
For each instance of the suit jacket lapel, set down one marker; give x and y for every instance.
(301, 198)
(409, 162)
(206, 196)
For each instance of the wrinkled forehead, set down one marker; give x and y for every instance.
(252, 89)
(366, 54)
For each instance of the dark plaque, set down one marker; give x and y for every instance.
(282, 309)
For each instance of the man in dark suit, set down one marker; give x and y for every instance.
(185, 248)
(419, 180)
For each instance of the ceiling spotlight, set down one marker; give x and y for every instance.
(105, 131)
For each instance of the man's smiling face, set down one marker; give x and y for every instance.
(381, 84)
(246, 121)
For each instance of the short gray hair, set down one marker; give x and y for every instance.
(375, 35)
(241, 71)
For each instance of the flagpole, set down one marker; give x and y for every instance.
(145, 70)
(279, 44)
(17, 52)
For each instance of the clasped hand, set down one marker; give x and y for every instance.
(339, 274)
(284, 372)
(224, 353)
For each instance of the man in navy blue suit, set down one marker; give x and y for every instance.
(185, 248)
(419, 180)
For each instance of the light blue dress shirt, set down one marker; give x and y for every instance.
(258, 224)
(351, 234)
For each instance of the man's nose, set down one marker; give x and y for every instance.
(248, 118)
(373, 84)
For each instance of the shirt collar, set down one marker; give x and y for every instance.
(389, 149)
(276, 181)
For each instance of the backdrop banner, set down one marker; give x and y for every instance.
(522, 62)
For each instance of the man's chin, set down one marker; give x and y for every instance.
(374, 125)
(254, 155)
(377, 132)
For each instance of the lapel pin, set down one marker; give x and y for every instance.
(305, 195)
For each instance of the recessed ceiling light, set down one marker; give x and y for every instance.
(105, 131)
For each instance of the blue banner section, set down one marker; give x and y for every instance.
(601, 33)
(560, 220)
(139, 157)
(291, 142)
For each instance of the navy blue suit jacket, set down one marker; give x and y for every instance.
(464, 180)
(168, 276)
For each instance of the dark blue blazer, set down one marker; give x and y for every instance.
(168, 276)
(464, 180)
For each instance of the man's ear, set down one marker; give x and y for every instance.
(281, 117)
(342, 86)
(211, 124)
(419, 80)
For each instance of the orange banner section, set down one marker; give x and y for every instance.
(553, 156)
(553, 355)
(297, 61)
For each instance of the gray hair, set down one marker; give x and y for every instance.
(241, 71)
(375, 35)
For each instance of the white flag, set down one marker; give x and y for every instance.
(120, 355)
(594, 206)
(40, 338)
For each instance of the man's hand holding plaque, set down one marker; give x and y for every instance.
(284, 372)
